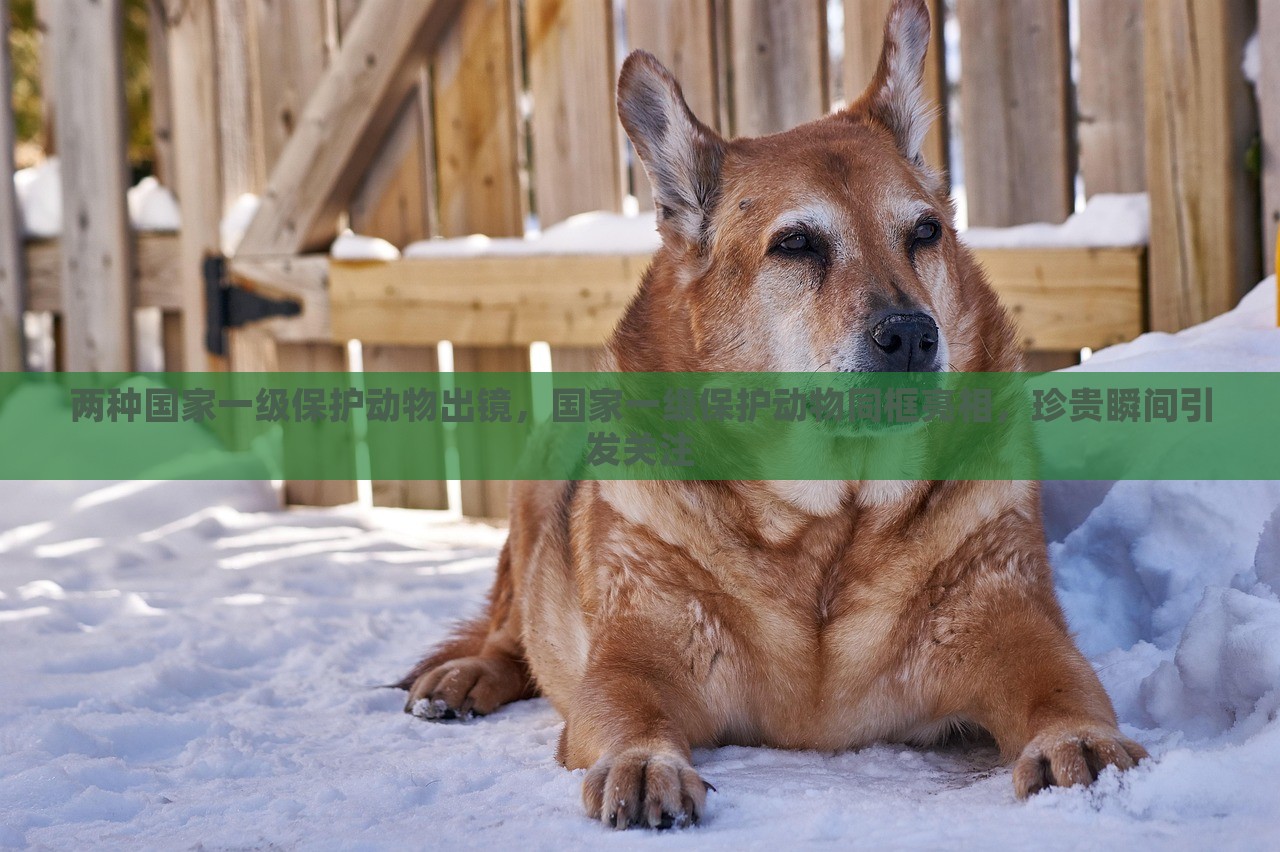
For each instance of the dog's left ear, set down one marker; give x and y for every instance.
(895, 97)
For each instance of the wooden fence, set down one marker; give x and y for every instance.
(410, 119)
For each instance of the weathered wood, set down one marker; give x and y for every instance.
(486, 498)
(343, 123)
(12, 264)
(1019, 158)
(1269, 121)
(197, 173)
(408, 493)
(567, 300)
(577, 145)
(476, 123)
(156, 282)
(779, 64)
(96, 263)
(239, 129)
(864, 22)
(681, 34)
(161, 92)
(290, 47)
(1066, 299)
(1111, 126)
(1205, 248)
(394, 200)
(339, 444)
(1062, 298)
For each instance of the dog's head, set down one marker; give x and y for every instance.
(831, 246)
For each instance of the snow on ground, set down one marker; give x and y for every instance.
(188, 667)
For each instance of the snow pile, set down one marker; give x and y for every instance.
(39, 191)
(355, 247)
(236, 221)
(200, 669)
(151, 206)
(586, 233)
(1108, 220)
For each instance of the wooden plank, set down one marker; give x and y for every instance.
(1019, 158)
(343, 123)
(864, 22)
(486, 498)
(155, 273)
(1111, 120)
(410, 494)
(161, 91)
(1205, 250)
(96, 262)
(475, 123)
(239, 132)
(1066, 299)
(1269, 120)
(1062, 298)
(290, 48)
(779, 64)
(682, 35)
(394, 200)
(12, 263)
(570, 300)
(577, 142)
(197, 173)
(319, 358)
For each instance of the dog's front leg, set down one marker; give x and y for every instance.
(632, 720)
(1018, 674)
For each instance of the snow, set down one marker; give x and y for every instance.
(586, 233)
(355, 247)
(151, 206)
(236, 221)
(1107, 220)
(189, 666)
(1251, 64)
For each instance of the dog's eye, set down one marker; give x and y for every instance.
(927, 233)
(794, 242)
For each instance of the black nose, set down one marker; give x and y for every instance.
(904, 343)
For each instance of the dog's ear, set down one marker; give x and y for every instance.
(895, 97)
(681, 155)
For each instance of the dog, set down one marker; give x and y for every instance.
(659, 616)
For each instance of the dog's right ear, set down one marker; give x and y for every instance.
(681, 155)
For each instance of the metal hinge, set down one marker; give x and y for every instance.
(228, 305)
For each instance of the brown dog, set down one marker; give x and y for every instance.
(660, 616)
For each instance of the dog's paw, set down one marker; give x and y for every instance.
(464, 688)
(640, 788)
(1071, 755)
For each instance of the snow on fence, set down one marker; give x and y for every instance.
(418, 120)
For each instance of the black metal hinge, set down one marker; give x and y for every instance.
(228, 305)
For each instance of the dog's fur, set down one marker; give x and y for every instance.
(660, 616)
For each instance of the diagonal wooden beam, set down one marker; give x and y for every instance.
(344, 123)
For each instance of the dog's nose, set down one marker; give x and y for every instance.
(904, 343)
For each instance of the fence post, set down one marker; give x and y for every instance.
(1015, 100)
(682, 35)
(12, 278)
(778, 60)
(1201, 121)
(1111, 118)
(97, 279)
(1269, 99)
